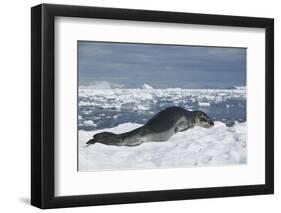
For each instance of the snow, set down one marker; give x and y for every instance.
(216, 146)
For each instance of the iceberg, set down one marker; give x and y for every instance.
(240, 87)
(97, 85)
(146, 86)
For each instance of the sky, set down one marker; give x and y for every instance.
(130, 65)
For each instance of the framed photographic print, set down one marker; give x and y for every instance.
(139, 106)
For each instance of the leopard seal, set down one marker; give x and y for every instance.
(158, 129)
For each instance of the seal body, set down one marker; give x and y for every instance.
(159, 128)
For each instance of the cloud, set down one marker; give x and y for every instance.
(161, 65)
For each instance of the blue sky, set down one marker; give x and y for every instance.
(162, 66)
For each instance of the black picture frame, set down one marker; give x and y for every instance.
(43, 111)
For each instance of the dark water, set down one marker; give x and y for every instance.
(227, 111)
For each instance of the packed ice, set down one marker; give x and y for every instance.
(104, 102)
(143, 98)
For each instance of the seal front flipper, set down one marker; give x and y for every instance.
(182, 126)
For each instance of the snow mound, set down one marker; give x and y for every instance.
(217, 146)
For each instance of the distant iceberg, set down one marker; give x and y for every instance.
(240, 87)
(102, 85)
(146, 86)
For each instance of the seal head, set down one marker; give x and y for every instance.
(202, 119)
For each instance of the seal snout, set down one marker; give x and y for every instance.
(92, 141)
(203, 120)
(208, 125)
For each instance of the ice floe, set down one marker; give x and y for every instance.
(146, 97)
